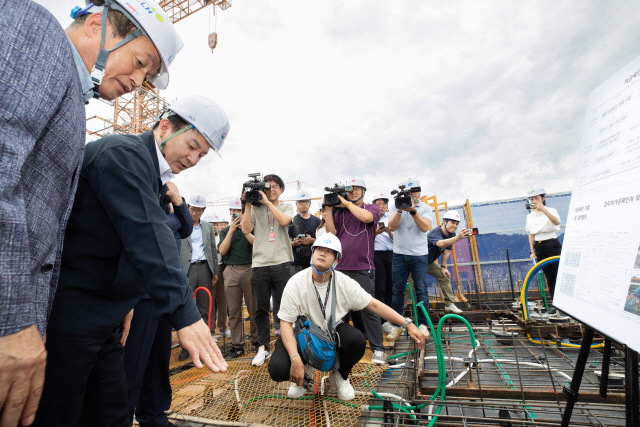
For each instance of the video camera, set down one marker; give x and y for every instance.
(402, 197)
(252, 187)
(332, 199)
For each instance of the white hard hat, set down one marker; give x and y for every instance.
(220, 218)
(412, 184)
(208, 216)
(235, 203)
(197, 200)
(380, 196)
(151, 21)
(330, 241)
(536, 191)
(356, 180)
(452, 215)
(302, 195)
(205, 116)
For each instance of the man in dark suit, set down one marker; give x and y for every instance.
(118, 246)
(44, 84)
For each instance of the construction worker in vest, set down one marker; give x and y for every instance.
(118, 247)
(46, 78)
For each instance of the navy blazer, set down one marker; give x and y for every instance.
(42, 135)
(118, 244)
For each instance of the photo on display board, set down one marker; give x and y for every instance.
(636, 265)
(632, 305)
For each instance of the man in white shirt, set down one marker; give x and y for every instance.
(542, 225)
(410, 253)
(303, 296)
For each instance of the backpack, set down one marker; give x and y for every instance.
(317, 348)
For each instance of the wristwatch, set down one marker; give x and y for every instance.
(412, 213)
(406, 323)
(443, 266)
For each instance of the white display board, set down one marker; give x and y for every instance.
(600, 263)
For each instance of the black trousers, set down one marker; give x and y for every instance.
(366, 321)
(350, 351)
(546, 249)
(384, 281)
(84, 382)
(146, 362)
(264, 282)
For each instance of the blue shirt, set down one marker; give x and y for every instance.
(383, 242)
(85, 77)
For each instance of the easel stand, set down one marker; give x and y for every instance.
(571, 392)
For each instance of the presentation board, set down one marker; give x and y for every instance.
(599, 273)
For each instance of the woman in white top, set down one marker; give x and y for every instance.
(304, 295)
(542, 225)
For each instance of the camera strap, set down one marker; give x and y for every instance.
(271, 220)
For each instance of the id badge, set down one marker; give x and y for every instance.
(272, 237)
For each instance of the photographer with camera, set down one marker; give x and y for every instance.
(410, 223)
(542, 225)
(441, 239)
(354, 223)
(237, 249)
(323, 297)
(268, 219)
(302, 232)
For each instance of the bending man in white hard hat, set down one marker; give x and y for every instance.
(308, 293)
(117, 246)
(441, 239)
(543, 224)
(410, 253)
(45, 82)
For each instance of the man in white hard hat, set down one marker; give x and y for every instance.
(441, 239)
(354, 223)
(45, 82)
(410, 253)
(383, 246)
(237, 249)
(543, 224)
(117, 247)
(271, 263)
(308, 294)
(302, 231)
(199, 257)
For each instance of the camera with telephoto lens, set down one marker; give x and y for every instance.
(332, 199)
(402, 197)
(253, 187)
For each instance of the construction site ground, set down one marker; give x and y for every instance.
(507, 382)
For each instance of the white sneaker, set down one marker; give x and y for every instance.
(425, 330)
(394, 333)
(227, 334)
(378, 357)
(386, 328)
(263, 354)
(296, 391)
(451, 308)
(343, 387)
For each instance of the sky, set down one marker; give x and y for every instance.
(476, 100)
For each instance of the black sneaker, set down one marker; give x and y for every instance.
(235, 352)
(184, 355)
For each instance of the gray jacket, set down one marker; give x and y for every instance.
(210, 250)
(42, 135)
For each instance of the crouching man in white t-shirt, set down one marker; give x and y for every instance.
(305, 295)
